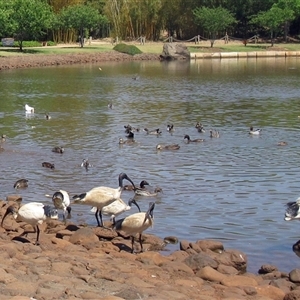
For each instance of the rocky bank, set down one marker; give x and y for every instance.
(40, 60)
(76, 261)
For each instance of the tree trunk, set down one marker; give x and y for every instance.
(81, 39)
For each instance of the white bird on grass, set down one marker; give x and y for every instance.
(136, 223)
(29, 109)
(61, 200)
(292, 210)
(102, 196)
(116, 208)
(33, 213)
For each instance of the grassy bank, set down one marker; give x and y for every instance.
(149, 47)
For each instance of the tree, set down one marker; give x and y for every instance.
(213, 20)
(25, 18)
(80, 17)
(273, 19)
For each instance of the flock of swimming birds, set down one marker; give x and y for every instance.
(106, 200)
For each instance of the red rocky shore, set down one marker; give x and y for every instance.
(40, 60)
(75, 261)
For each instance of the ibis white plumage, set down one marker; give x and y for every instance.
(102, 196)
(136, 224)
(116, 208)
(29, 109)
(33, 213)
(61, 200)
(292, 210)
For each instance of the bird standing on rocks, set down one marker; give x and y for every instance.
(102, 196)
(61, 200)
(33, 213)
(136, 224)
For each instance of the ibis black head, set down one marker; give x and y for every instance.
(149, 213)
(58, 195)
(9, 210)
(50, 212)
(123, 176)
(135, 203)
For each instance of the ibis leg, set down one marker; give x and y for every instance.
(37, 235)
(132, 243)
(97, 218)
(140, 240)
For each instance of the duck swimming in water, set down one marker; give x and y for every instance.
(147, 193)
(254, 131)
(48, 165)
(130, 187)
(153, 132)
(214, 133)
(292, 210)
(58, 149)
(170, 128)
(167, 147)
(187, 137)
(21, 184)
(199, 127)
(86, 164)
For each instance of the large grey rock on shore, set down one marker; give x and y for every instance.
(173, 51)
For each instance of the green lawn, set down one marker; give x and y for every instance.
(149, 47)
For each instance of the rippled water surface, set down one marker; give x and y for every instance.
(232, 189)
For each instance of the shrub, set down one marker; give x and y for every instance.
(129, 49)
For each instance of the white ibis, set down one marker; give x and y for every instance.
(292, 210)
(101, 196)
(21, 184)
(116, 208)
(136, 224)
(189, 140)
(29, 109)
(33, 213)
(61, 200)
(254, 131)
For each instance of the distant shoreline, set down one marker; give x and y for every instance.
(42, 60)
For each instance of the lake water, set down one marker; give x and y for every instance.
(232, 189)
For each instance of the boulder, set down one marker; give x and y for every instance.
(175, 51)
(294, 276)
(200, 260)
